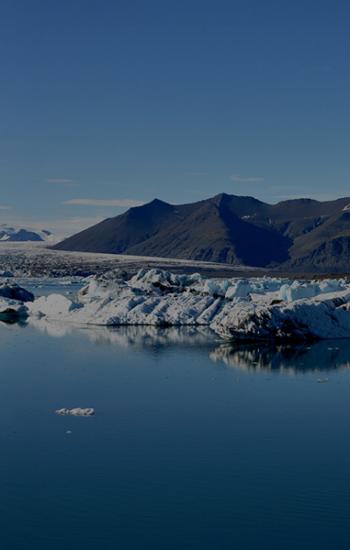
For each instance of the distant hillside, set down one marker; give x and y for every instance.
(20, 234)
(301, 234)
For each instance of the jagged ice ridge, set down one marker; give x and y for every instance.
(243, 309)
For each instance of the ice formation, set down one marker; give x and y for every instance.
(76, 412)
(13, 301)
(12, 291)
(11, 310)
(243, 309)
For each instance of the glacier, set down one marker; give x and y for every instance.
(246, 309)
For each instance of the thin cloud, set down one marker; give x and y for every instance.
(61, 181)
(4, 207)
(246, 179)
(124, 203)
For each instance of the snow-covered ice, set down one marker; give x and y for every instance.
(243, 309)
(54, 305)
(77, 411)
(35, 259)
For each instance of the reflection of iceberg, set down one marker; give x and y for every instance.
(57, 329)
(12, 324)
(150, 336)
(320, 356)
(125, 336)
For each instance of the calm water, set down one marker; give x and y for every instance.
(194, 444)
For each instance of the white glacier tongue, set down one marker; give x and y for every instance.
(254, 308)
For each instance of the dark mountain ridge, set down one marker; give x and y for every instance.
(295, 234)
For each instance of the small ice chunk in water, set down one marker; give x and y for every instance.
(76, 412)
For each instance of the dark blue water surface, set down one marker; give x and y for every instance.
(194, 445)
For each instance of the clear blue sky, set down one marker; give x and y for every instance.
(131, 100)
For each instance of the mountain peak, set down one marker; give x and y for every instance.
(229, 229)
(23, 234)
(157, 203)
(221, 198)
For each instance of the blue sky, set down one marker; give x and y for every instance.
(105, 104)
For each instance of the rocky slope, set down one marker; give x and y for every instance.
(303, 234)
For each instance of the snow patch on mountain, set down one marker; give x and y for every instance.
(23, 234)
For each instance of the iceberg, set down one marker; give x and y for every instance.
(12, 311)
(13, 291)
(13, 302)
(77, 411)
(54, 304)
(235, 309)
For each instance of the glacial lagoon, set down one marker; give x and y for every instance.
(195, 443)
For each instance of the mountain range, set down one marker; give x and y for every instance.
(21, 234)
(298, 234)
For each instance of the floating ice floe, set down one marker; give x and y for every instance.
(76, 412)
(243, 309)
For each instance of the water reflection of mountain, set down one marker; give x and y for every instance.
(320, 356)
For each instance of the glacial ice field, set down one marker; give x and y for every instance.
(237, 308)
